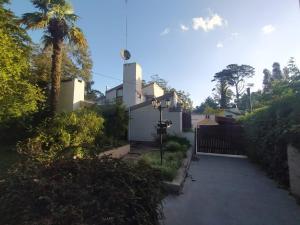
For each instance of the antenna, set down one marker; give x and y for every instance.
(125, 54)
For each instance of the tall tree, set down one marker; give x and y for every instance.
(276, 72)
(76, 63)
(58, 20)
(223, 94)
(18, 96)
(237, 77)
(267, 82)
(292, 68)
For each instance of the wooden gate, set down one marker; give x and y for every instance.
(220, 139)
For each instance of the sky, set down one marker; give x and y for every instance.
(185, 41)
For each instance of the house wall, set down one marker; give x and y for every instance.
(196, 118)
(111, 96)
(153, 90)
(71, 94)
(132, 84)
(143, 121)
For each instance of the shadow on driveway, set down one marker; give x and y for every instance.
(230, 191)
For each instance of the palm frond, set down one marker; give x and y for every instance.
(76, 37)
(35, 20)
(47, 42)
(41, 4)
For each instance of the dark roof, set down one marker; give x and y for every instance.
(115, 88)
(149, 102)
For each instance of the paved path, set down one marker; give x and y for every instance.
(230, 191)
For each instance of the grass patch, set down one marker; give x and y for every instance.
(171, 162)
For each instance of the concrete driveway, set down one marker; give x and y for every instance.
(230, 191)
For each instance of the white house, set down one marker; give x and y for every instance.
(137, 98)
(131, 92)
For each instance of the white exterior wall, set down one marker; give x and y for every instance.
(132, 84)
(153, 90)
(71, 94)
(111, 96)
(143, 121)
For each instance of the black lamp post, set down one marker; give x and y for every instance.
(162, 125)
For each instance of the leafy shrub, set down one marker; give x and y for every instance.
(173, 146)
(89, 191)
(180, 140)
(67, 135)
(116, 121)
(171, 162)
(268, 132)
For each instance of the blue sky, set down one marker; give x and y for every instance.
(186, 42)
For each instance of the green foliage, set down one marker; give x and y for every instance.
(171, 162)
(67, 135)
(174, 152)
(116, 121)
(209, 102)
(180, 140)
(18, 96)
(173, 146)
(268, 132)
(76, 63)
(90, 192)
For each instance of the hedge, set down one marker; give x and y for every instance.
(269, 131)
(89, 192)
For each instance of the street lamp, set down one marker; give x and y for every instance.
(162, 125)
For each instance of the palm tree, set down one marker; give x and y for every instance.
(57, 19)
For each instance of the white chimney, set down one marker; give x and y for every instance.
(132, 84)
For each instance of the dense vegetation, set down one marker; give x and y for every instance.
(58, 178)
(90, 192)
(276, 122)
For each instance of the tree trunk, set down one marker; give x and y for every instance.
(55, 75)
(237, 95)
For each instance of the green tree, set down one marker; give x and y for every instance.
(267, 82)
(209, 102)
(237, 77)
(58, 20)
(223, 94)
(276, 72)
(18, 97)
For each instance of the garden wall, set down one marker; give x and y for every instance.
(294, 170)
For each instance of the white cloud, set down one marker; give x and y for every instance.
(268, 29)
(220, 45)
(184, 28)
(165, 32)
(208, 23)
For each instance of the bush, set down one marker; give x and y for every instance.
(173, 146)
(171, 162)
(90, 192)
(269, 131)
(67, 135)
(116, 121)
(180, 140)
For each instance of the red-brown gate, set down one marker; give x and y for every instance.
(220, 139)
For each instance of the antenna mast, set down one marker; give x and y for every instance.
(126, 31)
(125, 54)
